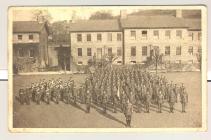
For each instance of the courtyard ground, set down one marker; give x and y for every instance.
(69, 116)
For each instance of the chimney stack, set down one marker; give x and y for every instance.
(179, 13)
(123, 14)
(73, 16)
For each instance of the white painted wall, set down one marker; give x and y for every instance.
(25, 38)
(93, 44)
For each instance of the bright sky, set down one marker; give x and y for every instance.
(65, 13)
(83, 12)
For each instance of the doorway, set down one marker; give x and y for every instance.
(64, 58)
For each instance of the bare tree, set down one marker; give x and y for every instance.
(155, 58)
(42, 16)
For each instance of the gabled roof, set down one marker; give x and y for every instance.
(28, 27)
(153, 22)
(193, 24)
(95, 25)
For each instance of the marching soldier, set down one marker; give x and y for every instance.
(172, 100)
(42, 91)
(184, 100)
(105, 100)
(110, 84)
(182, 87)
(128, 113)
(176, 91)
(27, 95)
(84, 94)
(167, 91)
(69, 92)
(57, 94)
(21, 96)
(123, 101)
(33, 91)
(160, 101)
(61, 91)
(38, 96)
(147, 101)
(100, 96)
(115, 100)
(47, 95)
(88, 101)
(138, 102)
(74, 94)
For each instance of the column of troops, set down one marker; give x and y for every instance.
(120, 89)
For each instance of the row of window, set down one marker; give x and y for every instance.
(168, 61)
(191, 35)
(156, 33)
(99, 51)
(133, 35)
(133, 51)
(178, 50)
(81, 62)
(89, 37)
(167, 50)
(30, 37)
(134, 62)
(26, 52)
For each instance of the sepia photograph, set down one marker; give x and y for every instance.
(107, 68)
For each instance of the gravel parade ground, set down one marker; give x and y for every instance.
(74, 116)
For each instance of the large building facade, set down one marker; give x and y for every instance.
(135, 38)
(30, 46)
(95, 39)
(174, 38)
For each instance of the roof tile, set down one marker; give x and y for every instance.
(95, 25)
(27, 26)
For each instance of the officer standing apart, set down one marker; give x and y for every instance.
(128, 113)
(172, 100)
(184, 99)
(160, 101)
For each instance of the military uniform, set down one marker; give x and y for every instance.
(47, 96)
(172, 100)
(88, 101)
(57, 94)
(21, 96)
(184, 100)
(115, 99)
(105, 100)
(138, 102)
(147, 101)
(175, 91)
(38, 96)
(74, 95)
(27, 95)
(160, 101)
(123, 101)
(128, 113)
(33, 92)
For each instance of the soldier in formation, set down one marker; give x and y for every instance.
(110, 87)
(51, 91)
(183, 99)
(128, 113)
